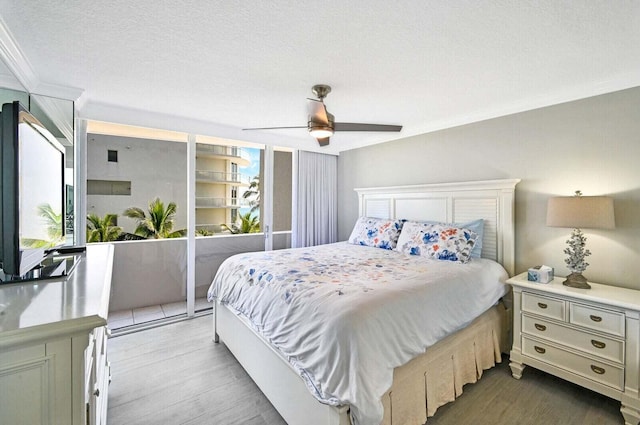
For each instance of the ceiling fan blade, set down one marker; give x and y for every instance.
(273, 128)
(324, 141)
(354, 126)
(317, 112)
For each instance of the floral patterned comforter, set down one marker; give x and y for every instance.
(345, 315)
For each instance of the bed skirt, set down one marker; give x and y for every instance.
(418, 389)
(437, 377)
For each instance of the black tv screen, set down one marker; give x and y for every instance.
(33, 204)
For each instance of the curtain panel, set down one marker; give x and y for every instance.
(316, 200)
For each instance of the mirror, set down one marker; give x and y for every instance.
(57, 115)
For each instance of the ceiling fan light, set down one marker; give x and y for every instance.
(320, 131)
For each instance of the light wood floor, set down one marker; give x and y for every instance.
(176, 375)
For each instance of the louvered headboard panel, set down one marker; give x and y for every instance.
(491, 200)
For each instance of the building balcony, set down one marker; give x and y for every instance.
(209, 202)
(204, 176)
(148, 281)
(238, 155)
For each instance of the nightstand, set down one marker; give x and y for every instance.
(590, 337)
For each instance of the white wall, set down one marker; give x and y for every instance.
(592, 145)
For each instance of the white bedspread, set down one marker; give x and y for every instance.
(345, 315)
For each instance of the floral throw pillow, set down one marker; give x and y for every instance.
(476, 226)
(376, 232)
(437, 241)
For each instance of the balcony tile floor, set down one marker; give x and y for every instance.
(124, 318)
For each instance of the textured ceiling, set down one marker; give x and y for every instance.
(221, 66)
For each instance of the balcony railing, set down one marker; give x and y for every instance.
(228, 151)
(222, 177)
(209, 202)
(215, 228)
(154, 271)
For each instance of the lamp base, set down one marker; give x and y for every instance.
(576, 280)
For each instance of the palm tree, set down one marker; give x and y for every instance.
(246, 224)
(102, 229)
(53, 223)
(159, 223)
(204, 232)
(253, 194)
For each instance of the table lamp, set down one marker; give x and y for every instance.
(579, 212)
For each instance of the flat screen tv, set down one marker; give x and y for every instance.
(32, 192)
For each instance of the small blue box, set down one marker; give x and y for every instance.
(540, 274)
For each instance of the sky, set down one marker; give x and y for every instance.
(252, 170)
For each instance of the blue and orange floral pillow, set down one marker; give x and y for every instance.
(437, 241)
(376, 232)
(476, 226)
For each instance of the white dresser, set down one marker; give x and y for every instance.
(587, 336)
(53, 346)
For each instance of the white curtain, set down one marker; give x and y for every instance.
(315, 214)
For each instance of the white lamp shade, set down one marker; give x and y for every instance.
(320, 131)
(581, 212)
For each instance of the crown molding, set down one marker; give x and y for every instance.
(19, 65)
(557, 97)
(60, 115)
(55, 90)
(16, 61)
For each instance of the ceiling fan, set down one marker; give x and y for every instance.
(321, 124)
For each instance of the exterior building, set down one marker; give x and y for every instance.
(125, 172)
(218, 185)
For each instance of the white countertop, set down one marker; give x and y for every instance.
(59, 305)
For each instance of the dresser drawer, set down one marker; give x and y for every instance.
(602, 320)
(603, 373)
(544, 306)
(597, 345)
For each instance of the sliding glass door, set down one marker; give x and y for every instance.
(226, 197)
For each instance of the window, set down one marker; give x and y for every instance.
(153, 175)
(234, 167)
(150, 169)
(108, 187)
(227, 199)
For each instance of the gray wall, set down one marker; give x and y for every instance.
(152, 272)
(592, 145)
(282, 188)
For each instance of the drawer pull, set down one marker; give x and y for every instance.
(542, 305)
(542, 327)
(598, 370)
(598, 344)
(542, 351)
(595, 318)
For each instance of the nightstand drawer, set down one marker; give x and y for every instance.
(608, 321)
(600, 346)
(603, 373)
(544, 306)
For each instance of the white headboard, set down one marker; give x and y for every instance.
(491, 200)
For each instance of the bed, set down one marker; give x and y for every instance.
(321, 360)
